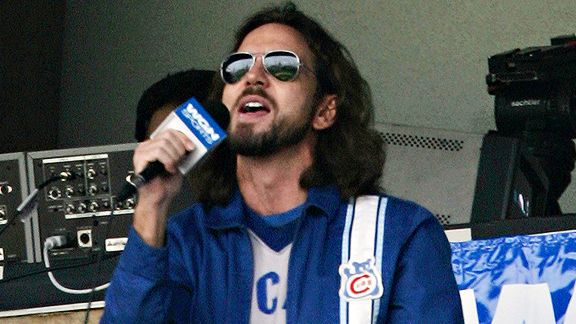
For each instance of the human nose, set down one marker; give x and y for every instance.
(257, 74)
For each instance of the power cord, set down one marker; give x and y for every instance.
(56, 242)
(24, 212)
(53, 269)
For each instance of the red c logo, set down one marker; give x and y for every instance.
(353, 284)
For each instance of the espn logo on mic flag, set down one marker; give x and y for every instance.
(194, 121)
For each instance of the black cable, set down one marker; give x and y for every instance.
(26, 203)
(101, 255)
(24, 208)
(10, 222)
(53, 269)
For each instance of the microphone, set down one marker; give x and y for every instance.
(204, 126)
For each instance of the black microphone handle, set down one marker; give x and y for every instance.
(152, 170)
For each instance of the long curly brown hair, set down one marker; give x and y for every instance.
(349, 154)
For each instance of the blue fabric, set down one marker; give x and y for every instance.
(277, 232)
(204, 275)
(486, 266)
(280, 219)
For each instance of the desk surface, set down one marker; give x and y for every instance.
(76, 317)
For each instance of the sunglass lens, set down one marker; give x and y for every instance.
(236, 66)
(282, 65)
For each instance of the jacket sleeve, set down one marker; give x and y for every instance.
(425, 289)
(138, 291)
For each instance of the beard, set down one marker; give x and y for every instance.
(282, 134)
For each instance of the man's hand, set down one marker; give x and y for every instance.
(154, 197)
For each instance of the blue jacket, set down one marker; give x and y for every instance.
(204, 274)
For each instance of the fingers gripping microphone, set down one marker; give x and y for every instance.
(205, 127)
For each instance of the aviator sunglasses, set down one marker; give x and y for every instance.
(281, 64)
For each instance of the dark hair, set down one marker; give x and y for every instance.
(349, 154)
(174, 89)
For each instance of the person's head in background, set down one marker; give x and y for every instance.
(161, 98)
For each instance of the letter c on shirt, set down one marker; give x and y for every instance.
(262, 291)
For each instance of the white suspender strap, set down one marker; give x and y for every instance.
(362, 241)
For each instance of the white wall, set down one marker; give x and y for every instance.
(425, 60)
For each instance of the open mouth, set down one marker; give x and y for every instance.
(253, 107)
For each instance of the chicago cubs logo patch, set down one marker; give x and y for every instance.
(360, 280)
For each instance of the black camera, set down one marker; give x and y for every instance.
(535, 88)
(526, 164)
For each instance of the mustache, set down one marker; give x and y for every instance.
(255, 90)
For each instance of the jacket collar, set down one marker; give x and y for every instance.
(326, 200)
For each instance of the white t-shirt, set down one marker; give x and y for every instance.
(271, 238)
(270, 281)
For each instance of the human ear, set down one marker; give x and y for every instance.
(325, 114)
